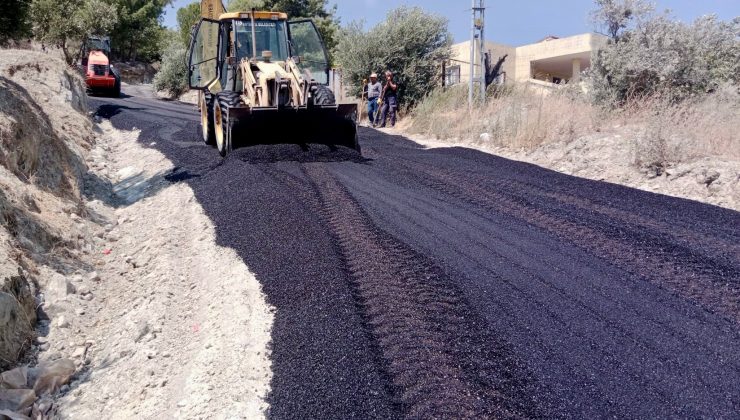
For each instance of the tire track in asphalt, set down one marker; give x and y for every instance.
(438, 354)
(608, 318)
(707, 281)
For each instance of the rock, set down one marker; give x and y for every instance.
(83, 289)
(49, 377)
(80, 311)
(485, 137)
(141, 328)
(94, 276)
(62, 322)
(709, 176)
(14, 379)
(79, 352)
(16, 399)
(16, 330)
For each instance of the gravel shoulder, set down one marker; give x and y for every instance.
(174, 321)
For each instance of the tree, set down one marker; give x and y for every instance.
(614, 16)
(139, 34)
(411, 43)
(244, 5)
(663, 55)
(187, 17)
(14, 19)
(325, 17)
(66, 23)
(172, 76)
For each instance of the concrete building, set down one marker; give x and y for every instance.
(550, 61)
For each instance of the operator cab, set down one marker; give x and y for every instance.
(276, 40)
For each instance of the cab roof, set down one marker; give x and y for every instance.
(257, 15)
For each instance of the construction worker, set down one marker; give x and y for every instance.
(374, 89)
(390, 100)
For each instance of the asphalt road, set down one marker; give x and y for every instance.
(449, 283)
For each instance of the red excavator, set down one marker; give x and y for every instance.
(100, 76)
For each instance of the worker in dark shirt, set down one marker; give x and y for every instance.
(390, 100)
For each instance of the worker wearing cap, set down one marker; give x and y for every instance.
(374, 89)
(390, 100)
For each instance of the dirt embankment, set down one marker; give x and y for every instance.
(114, 297)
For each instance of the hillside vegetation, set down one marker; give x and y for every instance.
(660, 104)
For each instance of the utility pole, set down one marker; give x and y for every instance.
(477, 32)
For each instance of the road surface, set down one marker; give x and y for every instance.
(450, 283)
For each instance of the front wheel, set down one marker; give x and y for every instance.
(221, 103)
(206, 118)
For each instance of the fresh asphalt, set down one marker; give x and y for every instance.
(450, 283)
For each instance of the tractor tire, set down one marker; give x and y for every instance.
(323, 96)
(223, 101)
(206, 119)
(117, 88)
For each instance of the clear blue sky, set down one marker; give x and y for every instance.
(509, 22)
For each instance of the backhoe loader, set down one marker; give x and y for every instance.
(263, 80)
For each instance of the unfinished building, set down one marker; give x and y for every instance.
(551, 61)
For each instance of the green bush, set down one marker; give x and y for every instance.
(658, 54)
(411, 43)
(66, 23)
(173, 73)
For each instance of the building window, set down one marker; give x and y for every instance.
(452, 75)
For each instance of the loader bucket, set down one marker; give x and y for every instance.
(329, 125)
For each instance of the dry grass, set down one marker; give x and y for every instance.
(523, 118)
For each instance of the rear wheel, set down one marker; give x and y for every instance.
(323, 96)
(206, 118)
(222, 101)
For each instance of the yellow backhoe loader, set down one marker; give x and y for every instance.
(264, 80)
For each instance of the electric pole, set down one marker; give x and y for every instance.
(477, 32)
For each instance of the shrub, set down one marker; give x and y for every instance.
(172, 76)
(66, 23)
(658, 54)
(411, 43)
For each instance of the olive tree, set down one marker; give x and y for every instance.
(66, 23)
(614, 16)
(411, 43)
(656, 53)
(172, 76)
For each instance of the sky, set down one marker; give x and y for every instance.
(508, 22)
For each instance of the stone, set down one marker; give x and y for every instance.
(16, 399)
(15, 330)
(59, 287)
(49, 377)
(79, 352)
(94, 276)
(62, 322)
(141, 329)
(15, 378)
